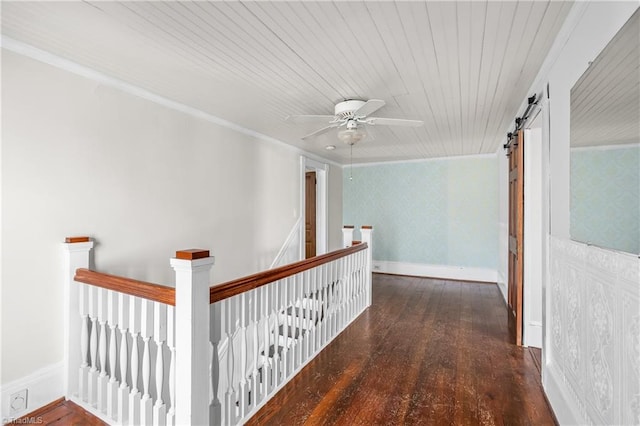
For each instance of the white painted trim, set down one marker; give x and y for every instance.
(422, 160)
(32, 52)
(502, 285)
(563, 405)
(533, 334)
(43, 386)
(448, 272)
(533, 235)
(322, 204)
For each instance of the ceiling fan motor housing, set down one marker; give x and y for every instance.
(345, 109)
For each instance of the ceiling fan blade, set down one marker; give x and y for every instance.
(369, 107)
(380, 121)
(309, 118)
(321, 131)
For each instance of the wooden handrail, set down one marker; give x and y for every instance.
(154, 292)
(240, 285)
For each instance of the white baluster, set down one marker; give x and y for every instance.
(159, 337)
(243, 388)
(277, 367)
(362, 279)
(320, 308)
(171, 343)
(324, 282)
(339, 290)
(135, 396)
(93, 346)
(123, 389)
(103, 379)
(299, 319)
(146, 331)
(267, 364)
(255, 323)
(308, 313)
(284, 299)
(84, 354)
(230, 396)
(367, 237)
(316, 274)
(215, 409)
(346, 291)
(359, 276)
(112, 385)
(263, 338)
(76, 334)
(335, 294)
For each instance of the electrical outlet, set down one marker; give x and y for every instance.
(18, 402)
(376, 267)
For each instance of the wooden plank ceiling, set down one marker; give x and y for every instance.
(462, 67)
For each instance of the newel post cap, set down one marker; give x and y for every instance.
(77, 244)
(192, 258)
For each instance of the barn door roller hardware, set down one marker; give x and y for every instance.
(519, 121)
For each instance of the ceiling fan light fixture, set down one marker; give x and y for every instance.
(351, 136)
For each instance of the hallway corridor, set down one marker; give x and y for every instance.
(427, 352)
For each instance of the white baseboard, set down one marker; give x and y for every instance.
(43, 386)
(502, 285)
(563, 405)
(533, 334)
(448, 272)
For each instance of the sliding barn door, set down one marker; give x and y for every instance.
(516, 231)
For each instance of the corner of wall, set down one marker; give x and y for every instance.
(43, 387)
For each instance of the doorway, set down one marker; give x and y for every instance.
(310, 215)
(316, 205)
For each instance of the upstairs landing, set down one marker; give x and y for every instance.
(430, 352)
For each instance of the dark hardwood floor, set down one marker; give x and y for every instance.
(427, 352)
(60, 413)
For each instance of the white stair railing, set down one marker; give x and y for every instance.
(146, 354)
(268, 326)
(137, 353)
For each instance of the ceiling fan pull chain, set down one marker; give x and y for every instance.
(351, 163)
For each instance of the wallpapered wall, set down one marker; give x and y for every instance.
(438, 212)
(605, 197)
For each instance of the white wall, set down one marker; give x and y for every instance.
(82, 158)
(503, 222)
(591, 370)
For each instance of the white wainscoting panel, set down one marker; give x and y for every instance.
(594, 321)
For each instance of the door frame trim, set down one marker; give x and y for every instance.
(322, 201)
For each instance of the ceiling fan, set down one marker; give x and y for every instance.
(352, 116)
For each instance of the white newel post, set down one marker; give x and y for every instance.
(347, 236)
(366, 235)
(192, 268)
(76, 251)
